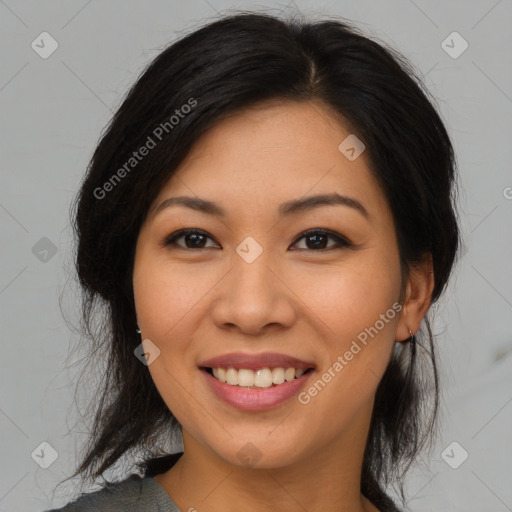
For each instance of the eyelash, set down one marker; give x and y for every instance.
(342, 242)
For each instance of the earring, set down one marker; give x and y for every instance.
(411, 339)
(137, 330)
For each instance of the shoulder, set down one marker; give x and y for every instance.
(134, 494)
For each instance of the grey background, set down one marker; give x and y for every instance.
(52, 113)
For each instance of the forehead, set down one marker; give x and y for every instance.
(273, 152)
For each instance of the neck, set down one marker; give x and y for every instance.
(328, 479)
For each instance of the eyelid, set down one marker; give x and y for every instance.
(342, 241)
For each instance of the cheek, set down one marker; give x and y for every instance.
(355, 305)
(349, 298)
(171, 302)
(167, 296)
(166, 300)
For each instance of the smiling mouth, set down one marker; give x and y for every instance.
(253, 379)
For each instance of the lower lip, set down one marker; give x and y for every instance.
(256, 399)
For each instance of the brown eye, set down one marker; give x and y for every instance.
(317, 239)
(194, 239)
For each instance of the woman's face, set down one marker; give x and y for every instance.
(252, 283)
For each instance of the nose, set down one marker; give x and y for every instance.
(253, 298)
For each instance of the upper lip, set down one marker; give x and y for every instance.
(256, 361)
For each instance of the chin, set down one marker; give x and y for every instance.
(260, 452)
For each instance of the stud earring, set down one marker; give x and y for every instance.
(137, 330)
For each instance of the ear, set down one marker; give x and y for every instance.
(417, 298)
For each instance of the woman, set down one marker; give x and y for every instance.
(267, 221)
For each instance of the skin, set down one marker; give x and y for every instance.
(197, 303)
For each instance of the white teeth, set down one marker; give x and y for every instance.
(278, 375)
(245, 377)
(232, 377)
(289, 374)
(262, 378)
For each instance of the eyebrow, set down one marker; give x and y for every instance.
(285, 209)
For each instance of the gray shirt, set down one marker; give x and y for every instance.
(134, 494)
